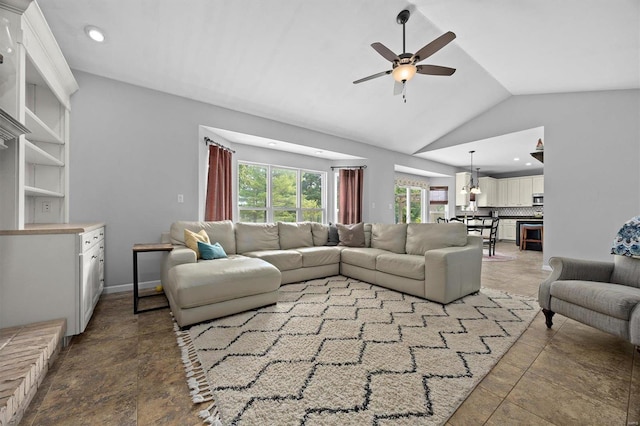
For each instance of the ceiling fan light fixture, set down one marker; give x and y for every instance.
(404, 72)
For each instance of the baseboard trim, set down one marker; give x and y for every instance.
(129, 287)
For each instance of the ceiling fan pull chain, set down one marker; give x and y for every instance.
(404, 91)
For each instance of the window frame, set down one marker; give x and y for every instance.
(269, 208)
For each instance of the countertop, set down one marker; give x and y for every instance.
(53, 228)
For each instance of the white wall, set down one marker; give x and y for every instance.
(133, 150)
(592, 148)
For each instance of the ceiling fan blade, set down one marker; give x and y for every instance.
(434, 70)
(371, 77)
(434, 46)
(397, 88)
(385, 52)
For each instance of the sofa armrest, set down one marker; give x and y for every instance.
(453, 272)
(178, 256)
(566, 268)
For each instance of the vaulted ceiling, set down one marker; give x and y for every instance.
(295, 61)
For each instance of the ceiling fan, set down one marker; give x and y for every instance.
(404, 66)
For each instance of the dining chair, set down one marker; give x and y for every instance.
(455, 219)
(441, 220)
(490, 240)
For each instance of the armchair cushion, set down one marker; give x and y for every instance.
(610, 299)
(626, 271)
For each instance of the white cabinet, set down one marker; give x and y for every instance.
(526, 192)
(36, 88)
(513, 192)
(503, 193)
(489, 195)
(538, 184)
(462, 180)
(51, 271)
(517, 192)
(507, 229)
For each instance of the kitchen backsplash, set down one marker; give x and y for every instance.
(502, 211)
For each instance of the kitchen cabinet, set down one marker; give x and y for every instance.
(503, 193)
(36, 88)
(513, 192)
(538, 184)
(67, 281)
(462, 180)
(526, 192)
(507, 229)
(489, 195)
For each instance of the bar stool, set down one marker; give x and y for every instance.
(524, 234)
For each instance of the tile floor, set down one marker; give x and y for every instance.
(126, 369)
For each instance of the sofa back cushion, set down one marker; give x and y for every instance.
(626, 270)
(391, 237)
(320, 232)
(219, 232)
(422, 237)
(295, 234)
(256, 236)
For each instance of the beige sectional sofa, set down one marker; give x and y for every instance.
(439, 262)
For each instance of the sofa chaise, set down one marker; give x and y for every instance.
(439, 262)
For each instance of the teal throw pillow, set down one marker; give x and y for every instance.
(211, 251)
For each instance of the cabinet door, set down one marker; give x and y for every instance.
(526, 191)
(509, 228)
(503, 192)
(488, 197)
(513, 194)
(538, 184)
(89, 273)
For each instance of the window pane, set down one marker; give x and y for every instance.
(416, 205)
(311, 188)
(401, 204)
(252, 185)
(312, 215)
(258, 216)
(284, 215)
(283, 187)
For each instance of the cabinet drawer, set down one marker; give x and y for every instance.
(91, 238)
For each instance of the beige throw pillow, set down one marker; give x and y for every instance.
(351, 235)
(191, 240)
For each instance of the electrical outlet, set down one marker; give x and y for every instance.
(180, 198)
(46, 207)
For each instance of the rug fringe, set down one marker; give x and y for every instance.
(200, 389)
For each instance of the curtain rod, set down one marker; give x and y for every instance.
(207, 141)
(348, 167)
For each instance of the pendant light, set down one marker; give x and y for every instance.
(471, 188)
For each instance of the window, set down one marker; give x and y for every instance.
(409, 204)
(269, 193)
(438, 202)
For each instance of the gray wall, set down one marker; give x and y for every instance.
(133, 150)
(592, 152)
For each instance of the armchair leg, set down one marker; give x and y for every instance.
(548, 315)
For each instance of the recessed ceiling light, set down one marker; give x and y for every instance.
(319, 152)
(516, 159)
(272, 144)
(527, 164)
(94, 33)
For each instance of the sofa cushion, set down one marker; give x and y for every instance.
(213, 281)
(610, 299)
(351, 235)
(284, 260)
(319, 256)
(626, 271)
(295, 234)
(404, 265)
(220, 231)
(422, 237)
(256, 236)
(320, 232)
(364, 257)
(389, 237)
(191, 240)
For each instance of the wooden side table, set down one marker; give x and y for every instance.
(140, 248)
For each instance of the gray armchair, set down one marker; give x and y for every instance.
(604, 295)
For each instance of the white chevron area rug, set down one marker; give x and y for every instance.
(338, 351)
